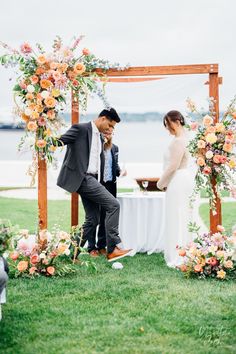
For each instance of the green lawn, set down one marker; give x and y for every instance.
(144, 308)
(228, 215)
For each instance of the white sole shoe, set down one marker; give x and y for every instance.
(119, 257)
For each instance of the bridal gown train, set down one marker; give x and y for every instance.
(178, 178)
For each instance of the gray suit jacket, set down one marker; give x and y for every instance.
(75, 165)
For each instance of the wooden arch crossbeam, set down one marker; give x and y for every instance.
(140, 72)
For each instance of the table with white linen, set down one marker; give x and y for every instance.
(142, 219)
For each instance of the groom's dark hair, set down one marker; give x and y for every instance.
(110, 114)
(173, 116)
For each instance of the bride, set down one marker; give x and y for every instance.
(178, 180)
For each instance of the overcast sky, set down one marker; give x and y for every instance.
(151, 32)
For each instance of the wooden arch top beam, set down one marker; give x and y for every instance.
(162, 70)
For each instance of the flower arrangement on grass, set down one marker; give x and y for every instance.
(42, 255)
(213, 148)
(210, 255)
(43, 85)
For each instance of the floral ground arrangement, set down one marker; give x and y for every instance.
(31, 255)
(210, 255)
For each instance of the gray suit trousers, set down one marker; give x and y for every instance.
(94, 196)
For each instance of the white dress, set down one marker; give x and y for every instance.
(178, 178)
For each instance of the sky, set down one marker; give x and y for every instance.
(151, 32)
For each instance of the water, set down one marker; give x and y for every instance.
(139, 142)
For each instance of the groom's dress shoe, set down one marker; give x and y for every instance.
(117, 254)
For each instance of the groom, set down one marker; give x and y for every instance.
(81, 172)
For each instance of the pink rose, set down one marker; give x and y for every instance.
(25, 48)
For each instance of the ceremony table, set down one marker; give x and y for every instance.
(142, 218)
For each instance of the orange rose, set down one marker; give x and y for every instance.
(34, 79)
(14, 255)
(201, 161)
(227, 147)
(32, 126)
(50, 270)
(45, 84)
(182, 253)
(34, 259)
(79, 68)
(50, 102)
(22, 266)
(41, 143)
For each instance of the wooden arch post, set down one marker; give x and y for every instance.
(42, 194)
(74, 196)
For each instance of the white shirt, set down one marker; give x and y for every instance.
(95, 151)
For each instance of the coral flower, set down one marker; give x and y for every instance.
(206, 170)
(85, 51)
(34, 259)
(34, 79)
(32, 126)
(14, 256)
(50, 270)
(198, 268)
(22, 266)
(39, 71)
(51, 114)
(32, 270)
(182, 253)
(50, 102)
(217, 158)
(79, 68)
(25, 48)
(41, 143)
(183, 268)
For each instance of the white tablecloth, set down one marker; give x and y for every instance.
(142, 219)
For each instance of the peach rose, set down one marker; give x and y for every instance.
(22, 266)
(201, 161)
(79, 68)
(34, 79)
(201, 144)
(198, 268)
(227, 147)
(228, 264)
(220, 228)
(41, 143)
(32, 126)
(182, 252)
(50, 102)
(217, 158)
(207, 120)
(39, 71)
(29, 96)
(34, 115)
(53, 65)
(51, 114)
(50, 270)
(220, 128)
(45, 84)
(32, 270)
(14, 255)
(211, 129)
(85, 51)
(34, 259)
(41, 59)
(62, 67)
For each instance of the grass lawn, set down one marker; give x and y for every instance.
(228, 215)
(144, 308)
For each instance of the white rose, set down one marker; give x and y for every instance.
(30, 88)
(28, 111)
(209, 154)
(44, 94)
(42, 255)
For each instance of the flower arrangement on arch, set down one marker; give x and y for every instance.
(40, 255)
(213, 149)
(210, 255)
(44, 80)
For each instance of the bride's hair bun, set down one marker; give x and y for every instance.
(173, 116)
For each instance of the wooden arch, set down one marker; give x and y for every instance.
(135, 74)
